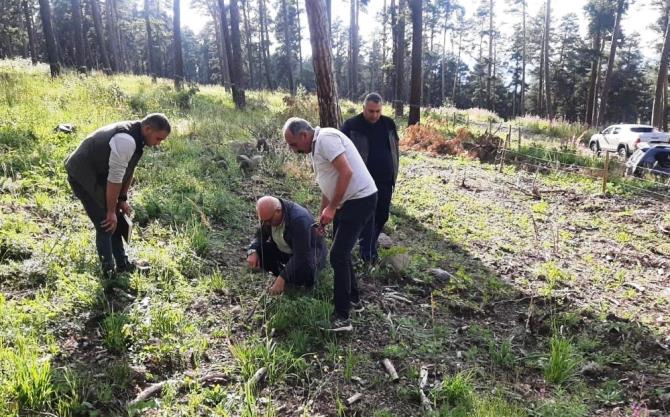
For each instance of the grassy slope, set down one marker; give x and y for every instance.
(69, 348)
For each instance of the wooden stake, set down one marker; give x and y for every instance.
(391, 370)
(607, 171)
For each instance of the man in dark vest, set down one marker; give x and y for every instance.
(286, 244)
(100, 171)
(376, 138)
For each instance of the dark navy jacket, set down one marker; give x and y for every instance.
(309, 249)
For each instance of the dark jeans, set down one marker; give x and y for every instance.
(372, 229)
(273, 260)
(347, 226)
(109, 245)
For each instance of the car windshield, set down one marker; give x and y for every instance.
(642, 129)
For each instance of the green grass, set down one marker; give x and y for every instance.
(562, 363)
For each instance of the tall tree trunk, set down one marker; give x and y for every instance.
(658, 109)
(384, 42)
(52, 52)
(326, 88)
(353, 49)
(547, 84)
(489, 78)
(100, 36)
(123, 56)
(249, 47)
(227, 45)
(415, 95)
(443, 66)
(457, 70)
(264, 43)
(588, 118)
(329, 10)
(112, 38)
(540, 87)
(150, 41)
(610, 64)
(176, 42)
(203, 74)
(287, 48)
(238, 79)
(522, 98)
(224, 73)
(28, 15)
(399, 51)
(297, 21)
(78, 38)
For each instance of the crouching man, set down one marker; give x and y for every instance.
(286, 244)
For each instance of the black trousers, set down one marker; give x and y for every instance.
(273, 260)
(109, 245)
(347, 226)
(372, 229)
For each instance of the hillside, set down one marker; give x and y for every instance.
(549, 306)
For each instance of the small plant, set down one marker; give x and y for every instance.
(113, 332)
(501, 354)
(350, 362)
(562, 363)
(455, 391)
(561, 405)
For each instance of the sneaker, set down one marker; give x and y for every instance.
(357, 307)
(338, 325)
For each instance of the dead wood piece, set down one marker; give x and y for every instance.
(395, 296)
(529, 315)
(349, 401)
(635, 286)
(258, 376)
(441, 274)
(391, 370)
(423, 381)
(150, 391)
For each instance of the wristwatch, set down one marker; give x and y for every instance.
(250, 251)
(123, 197)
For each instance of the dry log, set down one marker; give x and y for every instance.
(423, 381)
(258, 376)
(156, 388)
(349, 401)
(391, 370)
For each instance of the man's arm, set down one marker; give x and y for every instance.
(343, 168)
(111, 196)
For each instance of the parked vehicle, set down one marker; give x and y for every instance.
(624, 139)
(650, 160)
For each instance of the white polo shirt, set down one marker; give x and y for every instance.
(328, 144)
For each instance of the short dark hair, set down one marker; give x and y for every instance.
(157, 121)
(373, 97)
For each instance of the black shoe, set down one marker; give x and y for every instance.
(338, 325)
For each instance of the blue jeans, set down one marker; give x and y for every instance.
(373, 228)
(347, 226)
(109, 245)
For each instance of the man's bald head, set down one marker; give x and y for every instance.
(267, 208)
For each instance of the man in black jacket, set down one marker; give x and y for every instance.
(376, 138)
(286, 244)
(100, 172)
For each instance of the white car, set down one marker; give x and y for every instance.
(624, 139)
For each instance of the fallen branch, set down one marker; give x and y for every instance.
(257, 377)
(391, 370)
(349, 401)
(154, 389)
(423, 381)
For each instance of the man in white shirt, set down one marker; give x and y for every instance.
(100, 172)
(348, 200)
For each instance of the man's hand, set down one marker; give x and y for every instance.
(109, 224)
(124, 207)
(254, 261)
(278, 287)
(327, 215)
